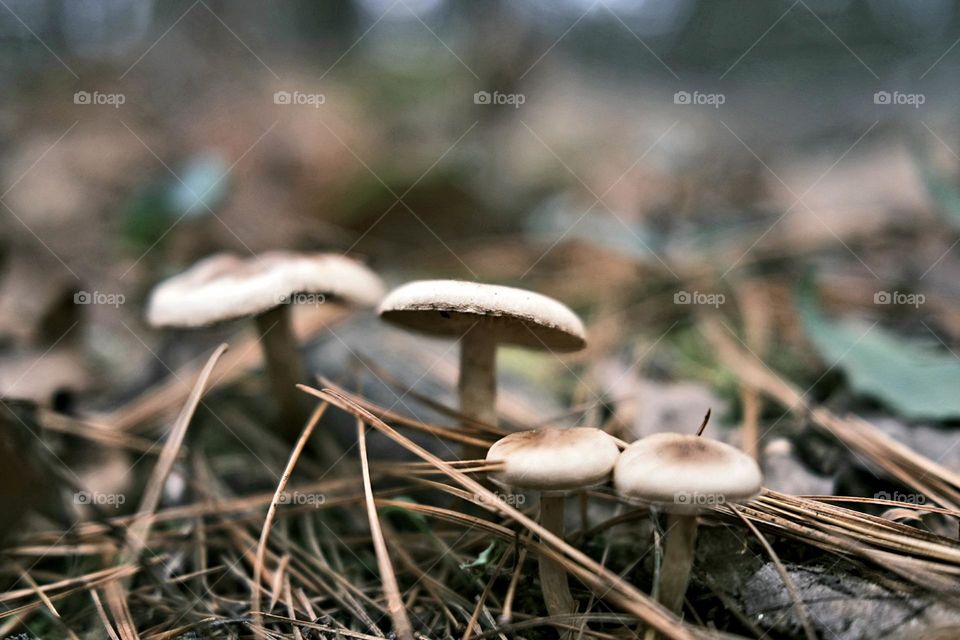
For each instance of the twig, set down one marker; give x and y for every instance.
(401, 623)
(103, 615)
(475, 616)
(25, 575)
(139, 531)
(272, 510)
(798, 603)
(754, 309)
(506, 612)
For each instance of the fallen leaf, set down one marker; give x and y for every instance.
(911, 378)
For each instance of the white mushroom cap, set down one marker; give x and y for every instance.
(225, 287)
(514, 316)
(38, 376)
(684, 473)
(554, 460)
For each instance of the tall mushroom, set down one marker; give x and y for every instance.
(225, 287)
(483, 316)
(683, 475)
(554, 462)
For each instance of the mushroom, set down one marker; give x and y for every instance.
(50, 378)
(226, 287)
(554, 462)
(483, 316)
(683, 475)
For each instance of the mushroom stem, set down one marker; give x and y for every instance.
(284, 368)
(677, 559)
(553, 577)
(478, 381)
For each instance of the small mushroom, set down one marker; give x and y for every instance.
(554, 462)
(225, 287)
(483, 316)
(50, 378)
(683, 475)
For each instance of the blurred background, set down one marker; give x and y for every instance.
(641, 161)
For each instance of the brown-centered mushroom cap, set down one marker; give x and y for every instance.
(513, 316)
(226, 287)
(554, 460)
(684, 473)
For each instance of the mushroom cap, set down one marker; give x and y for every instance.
(225, 286)
(684, 473)
(511, 315)
(39, 376)
(554, 460)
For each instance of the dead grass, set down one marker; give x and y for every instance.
(255, 563)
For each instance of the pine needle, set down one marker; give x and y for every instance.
(401, 623)
(589, 571)
(272, 509)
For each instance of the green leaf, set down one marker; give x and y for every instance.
(485, 558)
(145, 218)
(907, 376)
(414, 518)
